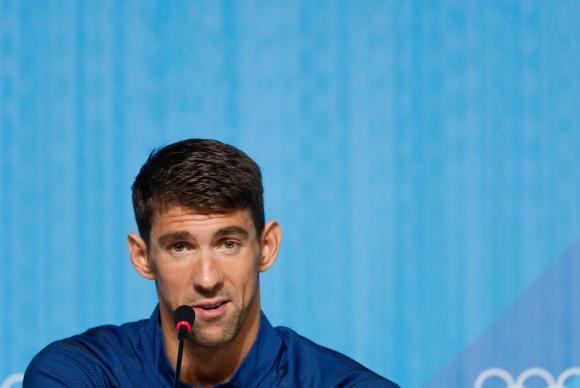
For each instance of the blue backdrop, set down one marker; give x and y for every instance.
(422, 157)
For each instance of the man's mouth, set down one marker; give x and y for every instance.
(210, 309)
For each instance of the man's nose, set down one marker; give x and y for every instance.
(208, 276)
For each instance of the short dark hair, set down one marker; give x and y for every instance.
(201, 174)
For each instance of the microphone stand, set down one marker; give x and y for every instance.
(180, 336)
(184, 316)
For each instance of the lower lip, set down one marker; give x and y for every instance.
(210, 313)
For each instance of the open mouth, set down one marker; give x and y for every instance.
(210, 309)
(212, 306)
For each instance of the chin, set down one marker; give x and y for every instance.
(212, 338)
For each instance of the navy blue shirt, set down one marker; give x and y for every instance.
(132, 355)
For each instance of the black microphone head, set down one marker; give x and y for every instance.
(184, 317)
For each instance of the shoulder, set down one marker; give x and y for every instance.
(87, 359)
(313, 364)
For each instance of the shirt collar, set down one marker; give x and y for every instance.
(261, 358)
(259, 361)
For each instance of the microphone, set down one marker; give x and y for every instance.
(183, 317)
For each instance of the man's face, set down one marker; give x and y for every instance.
(209, 262)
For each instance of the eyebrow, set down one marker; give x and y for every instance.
(174, 236)
(233, 230)
(181, 235)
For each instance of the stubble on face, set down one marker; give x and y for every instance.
(240, 288)
(231, 325)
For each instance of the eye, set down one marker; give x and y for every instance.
(230, 244)
(178, 248)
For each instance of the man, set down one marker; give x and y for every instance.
(203, 240)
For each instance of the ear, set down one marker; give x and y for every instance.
(138, 253)
(271, 238)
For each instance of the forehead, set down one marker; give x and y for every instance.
(179, 217)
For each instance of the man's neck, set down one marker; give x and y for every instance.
(210, 366)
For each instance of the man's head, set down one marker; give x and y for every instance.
(205, 175)
(199, 210)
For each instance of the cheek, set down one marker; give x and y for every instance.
(173, 283)
(247, 281)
